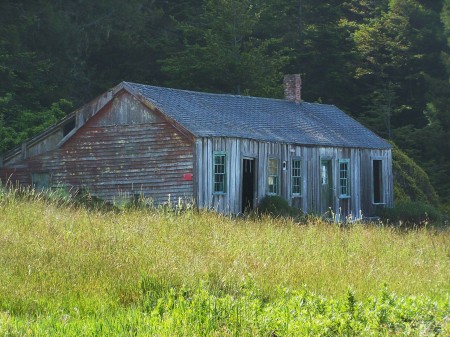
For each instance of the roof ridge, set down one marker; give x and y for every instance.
(222, 94)
(208, 114)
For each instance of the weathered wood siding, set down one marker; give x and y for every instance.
(51, 138)
(124, 149)
(367, 158)
(236, 149)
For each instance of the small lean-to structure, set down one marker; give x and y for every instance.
(226, 152)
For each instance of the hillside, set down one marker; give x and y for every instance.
(72, 271)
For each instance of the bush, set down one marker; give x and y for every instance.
(411, 183)
(85, 199)
(277, 206)
(412, 213)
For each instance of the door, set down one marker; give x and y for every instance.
(326, 186)
(248, 183)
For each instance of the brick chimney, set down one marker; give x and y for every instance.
(293, 88)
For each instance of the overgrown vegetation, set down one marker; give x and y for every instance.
(73, 271)
(199, 312)
(411, 183)
(411, 214)
(276, 206)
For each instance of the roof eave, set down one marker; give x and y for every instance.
(190, 135)
(108, 95)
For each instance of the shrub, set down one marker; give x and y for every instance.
(277, 206)
(85, 199)
(411, 183)
(412, 213)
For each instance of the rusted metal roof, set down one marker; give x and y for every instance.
(263, 119)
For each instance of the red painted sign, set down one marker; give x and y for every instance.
(187, 176)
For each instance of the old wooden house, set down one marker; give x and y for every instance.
(226, 152)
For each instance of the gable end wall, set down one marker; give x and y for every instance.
(124, 149)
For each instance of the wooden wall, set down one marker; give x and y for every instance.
(124, 149)
(54, 136)
(360, 201)
(129, 148)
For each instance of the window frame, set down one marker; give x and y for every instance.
(277, 177)
(299, 177)
(35, 180)
(69, 126)
(347, 180)
(224, 174)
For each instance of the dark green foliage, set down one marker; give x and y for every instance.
(411, 214)
(278, 207)
(416, 199)
(220, 52)
(385, 62)
(152, 289)
(197, 311)
(411, 183)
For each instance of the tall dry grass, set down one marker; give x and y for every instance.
(55, 254)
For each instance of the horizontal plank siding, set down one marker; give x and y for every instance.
(115, 158)
(136, 151)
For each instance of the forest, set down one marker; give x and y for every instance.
(384, 62)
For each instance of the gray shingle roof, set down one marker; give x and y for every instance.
(264, 119)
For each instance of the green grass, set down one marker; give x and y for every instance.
(66, 270)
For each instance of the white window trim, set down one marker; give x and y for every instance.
(224, 154)
(277, 192)
(300, 176)
(348, 179)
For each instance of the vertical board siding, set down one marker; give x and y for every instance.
(125, 110)
(126, 148)
(388, 178)
(359, 203)
(198, 171)
(236, 200)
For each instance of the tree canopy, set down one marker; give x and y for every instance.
(386, 63)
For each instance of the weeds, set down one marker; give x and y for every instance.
(69, 271)
(412, 214)
(198, 312)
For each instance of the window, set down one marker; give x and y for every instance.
(220, 177)
(273, 180)
(377, 181)
(296, 177)
(40, 181)
(344, 178)
(68, 127)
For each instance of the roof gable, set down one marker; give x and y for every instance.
(198, 114)
(263, 119)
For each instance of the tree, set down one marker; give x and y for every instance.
(320, 47)
(219, 52)
(26, 88)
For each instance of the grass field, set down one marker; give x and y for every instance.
(69, 271)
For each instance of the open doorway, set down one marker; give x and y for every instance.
(326, 186)
(377, 182)
(248, 184)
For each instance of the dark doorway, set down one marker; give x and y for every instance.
(326, 186)
(248, 184)
(377, 182)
